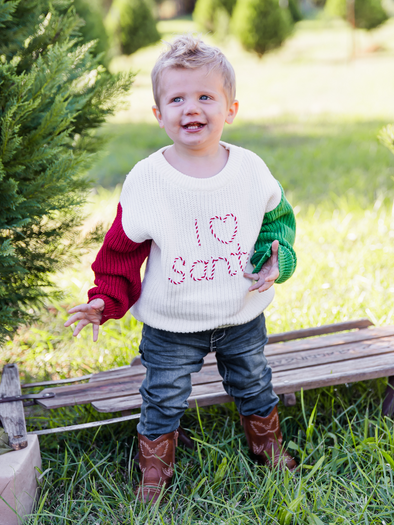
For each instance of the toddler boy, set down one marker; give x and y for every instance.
(204, 213)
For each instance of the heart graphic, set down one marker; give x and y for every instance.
(221, 231)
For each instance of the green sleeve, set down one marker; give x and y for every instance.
(278, 224)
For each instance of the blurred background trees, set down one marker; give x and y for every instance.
(361, 14)
(259, 25)
(131, 25)
(214, 15)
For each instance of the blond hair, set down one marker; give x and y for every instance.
(190, 52)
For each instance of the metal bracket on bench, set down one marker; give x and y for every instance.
(4, 399)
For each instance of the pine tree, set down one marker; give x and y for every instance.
(131, 25)
(361, 14)
(92, 13)
(212, 15)
(261, 25)
(53, 95)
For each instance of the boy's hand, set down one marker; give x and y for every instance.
(269, 271)
(85, 314)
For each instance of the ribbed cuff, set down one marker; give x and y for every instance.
(259, 262)
(111, 308)
(287, 263)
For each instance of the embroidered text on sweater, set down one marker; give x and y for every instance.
(202, 234)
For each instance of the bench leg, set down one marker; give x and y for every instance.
(289, 400)
(388, 403)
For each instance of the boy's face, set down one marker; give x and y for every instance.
(194, 108)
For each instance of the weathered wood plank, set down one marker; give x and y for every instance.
(113, 385)
(115, 373)
(270, 350)
(131, 402)
(88, 392)
(11, 414)
(333, 374)
(329, 340)
(284, 382)
(310, 358)
(343, 354)
(320, 330)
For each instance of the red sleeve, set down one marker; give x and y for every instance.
(117, 271)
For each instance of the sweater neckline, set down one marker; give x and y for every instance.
(196, 184)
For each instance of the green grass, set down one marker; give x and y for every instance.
(344, 447)
(313, 116)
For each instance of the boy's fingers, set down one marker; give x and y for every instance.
(97, 304)
(275, 246)
(79, 308)
(273, 275)
(79, 327)
(96, 328)
(265, 286)
(253, 276)
(74, 318)
(256, 285)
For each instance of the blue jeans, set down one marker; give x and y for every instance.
(171, 357)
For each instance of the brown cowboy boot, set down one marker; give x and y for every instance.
(264, 438)
(157, 459)
(182, 437)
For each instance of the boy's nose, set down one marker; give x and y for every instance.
(192, 108)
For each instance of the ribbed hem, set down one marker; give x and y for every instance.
(255, 305)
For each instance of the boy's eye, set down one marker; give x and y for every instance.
(204, 97)
(177, 99)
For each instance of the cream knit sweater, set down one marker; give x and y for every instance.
(203, 234)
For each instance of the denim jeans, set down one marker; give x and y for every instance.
(171, 357)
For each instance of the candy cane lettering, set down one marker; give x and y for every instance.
(197, 232)
(213, 267)
(239, 254)
(202, 277)
(179, 272)
(223, 220)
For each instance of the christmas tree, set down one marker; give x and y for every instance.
(261, 25)
(54, 94)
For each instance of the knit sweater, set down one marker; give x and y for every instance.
(201, 235)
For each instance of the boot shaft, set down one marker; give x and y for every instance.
(264, 438)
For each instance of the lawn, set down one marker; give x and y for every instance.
(313, 116)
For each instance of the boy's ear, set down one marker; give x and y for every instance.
(232, 112)
(157, 114)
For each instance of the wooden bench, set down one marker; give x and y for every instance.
(303, 359)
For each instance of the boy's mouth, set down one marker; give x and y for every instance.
(192, 126)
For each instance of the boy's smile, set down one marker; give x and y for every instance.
(193, 109)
